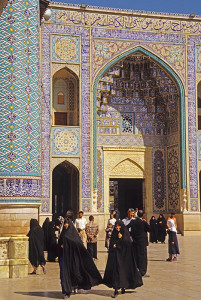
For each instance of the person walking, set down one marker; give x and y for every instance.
(139, 229)
(77, 268)
(121, 271)
(173, 247)
(80, 223)
(36, 246)
(92, 232)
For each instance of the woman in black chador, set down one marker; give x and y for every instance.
(162, 226)
(153, 230)
(77, 269)
(45, 230)
(121, 271)
(52, 242)
(36, 246)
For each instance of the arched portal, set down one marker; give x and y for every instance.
(156, 105)
(65, 188)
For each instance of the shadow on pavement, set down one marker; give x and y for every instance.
(50, 294)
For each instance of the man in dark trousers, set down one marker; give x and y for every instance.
(139, 229)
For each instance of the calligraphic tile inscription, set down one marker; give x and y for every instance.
(129, 22)
(66, 141)
(159, 179)
(65, 48)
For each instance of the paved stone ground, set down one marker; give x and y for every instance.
(179, 280)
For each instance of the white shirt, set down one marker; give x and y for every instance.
(172, 226)
(112, 221)
(126, 221)
(80, 223)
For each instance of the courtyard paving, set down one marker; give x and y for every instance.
(179, 280)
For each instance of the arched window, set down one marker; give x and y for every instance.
(199, 105)
(65, 98)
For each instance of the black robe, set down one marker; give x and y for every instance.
(121, 270)
(153, 230)
(36, 244)
(45, 230)
(78, 266)
(52, 242)
(162, 226)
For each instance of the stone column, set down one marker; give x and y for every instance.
(20, 116)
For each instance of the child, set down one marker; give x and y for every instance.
(108, 231)
(173, 248)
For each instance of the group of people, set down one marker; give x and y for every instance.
(158, 229)
(127, 251)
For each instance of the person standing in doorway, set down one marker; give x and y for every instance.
(92, 232)
(139, 229)
(80, 223)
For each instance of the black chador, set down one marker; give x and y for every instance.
(153, 230)
(121, 270)
(52, 242)
(45, 230)
(139, 229)
(78, 268)
(162, 226)
(36, 245)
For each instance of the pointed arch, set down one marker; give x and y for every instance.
(127, 167)
(179, 83)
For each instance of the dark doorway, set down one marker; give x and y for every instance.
(125, 194)
(65, 189)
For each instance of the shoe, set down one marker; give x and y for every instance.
(115, 294)
(44, 270)
(66, 296)
(169, 259)
(123, 291)
(33, 273)
(174, 259)
(146, 275)
(76, 291)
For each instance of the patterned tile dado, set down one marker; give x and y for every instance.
(159, 179)
(65, 48)
(100, 176)
(173, 178)
(65, 141)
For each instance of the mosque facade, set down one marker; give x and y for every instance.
(100, 109)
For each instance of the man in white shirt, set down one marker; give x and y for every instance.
(128, 219)
(80, 223)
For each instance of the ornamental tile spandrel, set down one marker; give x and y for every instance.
(175, 55)
(103, 50)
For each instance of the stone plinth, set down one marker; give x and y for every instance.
(14, 257)
(4, 261)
